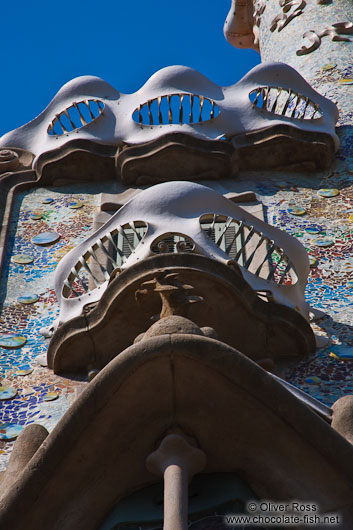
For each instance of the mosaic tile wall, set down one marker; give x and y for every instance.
(324, 225)
(329, 69)
(30, 393)
(315, 208)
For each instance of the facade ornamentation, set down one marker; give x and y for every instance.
(173, 349)
(176, 99)
(83, 274)
(260, 8)
(335, 31)
(281, 21)
(238, 27)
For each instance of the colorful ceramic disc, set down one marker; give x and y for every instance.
(322, 242)
(24, 370)
(36, 215)
(28, 299)
(313, 229)
(342, 353)
(328, 192)
(312, 261)
(46, 238)
(12, 341)
(312, 380)
(346, 81)
(6, 392)
(74, 205)
(9, 431)
(296, 210)
(329, 66)
(22, 259)
(48, 200)
(350, 285)
(51, 396)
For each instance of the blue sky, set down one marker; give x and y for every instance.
(45, 44)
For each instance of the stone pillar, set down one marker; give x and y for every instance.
(177, 461)
(28, 442)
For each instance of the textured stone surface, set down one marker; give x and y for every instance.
(96, 455)
(173, 324)
(229, 306)
(342, 419)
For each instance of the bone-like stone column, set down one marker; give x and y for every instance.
(28, 442)
(342, 418)
(178, 461)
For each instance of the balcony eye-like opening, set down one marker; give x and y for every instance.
(171, 243)
(76, 116)
(249, 248)
(176, 109)
(284, 102)
(107, 254)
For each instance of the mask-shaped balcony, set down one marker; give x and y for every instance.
(180, 115)
(214, 245)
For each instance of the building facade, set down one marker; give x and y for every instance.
(176, 287)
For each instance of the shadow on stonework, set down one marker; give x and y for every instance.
(326, 374)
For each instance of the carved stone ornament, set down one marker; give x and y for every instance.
(241, 27)
(230, 309)
(176, 156)
(8, 160)
(14, 159)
